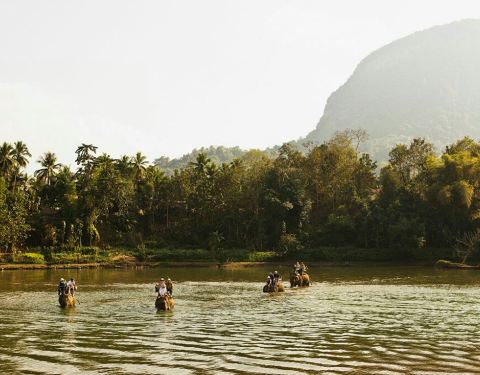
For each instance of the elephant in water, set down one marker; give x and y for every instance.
(295, 279)
(305, 280)
(164, 303)
(299, 280)
(66, 300)
(274, 288)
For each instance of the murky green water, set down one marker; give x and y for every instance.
(352, 320)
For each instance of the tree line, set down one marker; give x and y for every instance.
(326, 195)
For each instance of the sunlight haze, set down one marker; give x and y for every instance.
(165, 77)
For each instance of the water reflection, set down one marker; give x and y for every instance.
(352, 320)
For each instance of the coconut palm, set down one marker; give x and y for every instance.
(83, 153)
(104, 161)
(19, 178)
(6, 159)
(139, 165)
(201, 162)
(124, 165)
(50, 167)
(20, 155)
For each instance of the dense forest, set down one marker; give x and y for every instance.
(330, 195)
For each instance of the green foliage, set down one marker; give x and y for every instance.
(262, 256)
(89, 250)
(215, 241)
(78, 257)
(30, 258)
(328, 198)
(13, 218)
(289, 244)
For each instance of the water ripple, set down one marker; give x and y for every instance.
(372, 325)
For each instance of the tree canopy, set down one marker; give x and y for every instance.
(328, 195)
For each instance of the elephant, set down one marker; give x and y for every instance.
(66, 300)
(305, 280)
(278, 287)
(164, 303)
(295, 280)
(299, 280)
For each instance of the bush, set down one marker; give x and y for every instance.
(30, 258)
(261, 256)
(89, 250)
(141, 253)
(61, 258)
(47, 252)
(289, 244)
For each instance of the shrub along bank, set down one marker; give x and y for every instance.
(152, 255)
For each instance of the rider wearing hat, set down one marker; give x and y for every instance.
(270, 278)
(276, 277)
(169, 286)
(61, 286)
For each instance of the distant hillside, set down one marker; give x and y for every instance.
(218, 155)
(424, 85)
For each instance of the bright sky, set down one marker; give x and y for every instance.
(164, 77)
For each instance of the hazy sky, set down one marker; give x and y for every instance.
(164, 77)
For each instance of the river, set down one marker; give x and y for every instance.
(352, 320)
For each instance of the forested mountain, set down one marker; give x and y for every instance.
(218, 155)
(424, 85)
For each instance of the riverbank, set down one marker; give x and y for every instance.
(92, 257)
(230, 265)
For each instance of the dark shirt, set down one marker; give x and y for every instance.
(61, 288)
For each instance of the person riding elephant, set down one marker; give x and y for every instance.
(303, 268)
(296, 267)
(169, 286)
(61, 286)
(71, 287)
(161, 287)
(270, 279)
(274, 283)
(164, 299)
(276, 277)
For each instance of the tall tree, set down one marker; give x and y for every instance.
(50, 167)
(139, 165)
(20, 155)
(6, 159)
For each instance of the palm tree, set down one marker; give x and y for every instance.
(139, 165)
(124, 165)
(201, 162)
(20, 156)
(19, 178)
(83, 153)
(50, 167)
(104, 161)
(6, 159)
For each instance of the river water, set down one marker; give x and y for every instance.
(352, 320)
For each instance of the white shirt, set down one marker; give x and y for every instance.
(162, 291)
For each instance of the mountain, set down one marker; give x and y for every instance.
(218, 155)
(424, 85)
